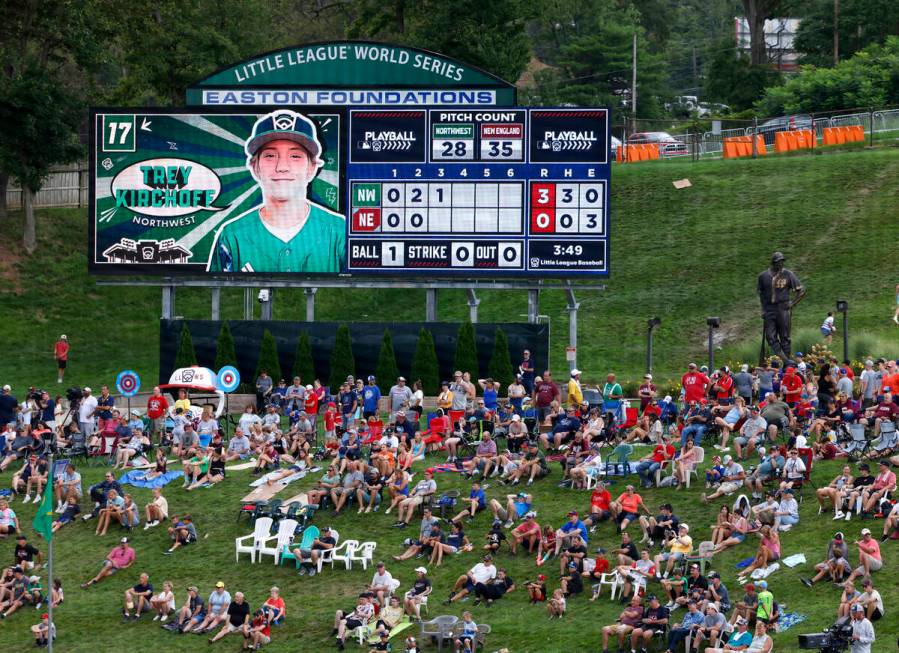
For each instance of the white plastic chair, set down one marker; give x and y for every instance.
(286, 530)
(613, 580)
(364, 553)
(328, 554)
(344, 553)
(665, 464)
(253, 542)
(694, 469)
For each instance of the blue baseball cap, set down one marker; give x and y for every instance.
(284, 124)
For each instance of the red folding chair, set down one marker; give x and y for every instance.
(630, 418)
(456, 415)
(437, 430)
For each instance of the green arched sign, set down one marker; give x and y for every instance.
(351, 72)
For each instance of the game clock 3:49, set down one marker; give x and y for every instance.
(552, 255)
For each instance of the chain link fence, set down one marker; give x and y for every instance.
(681, 139)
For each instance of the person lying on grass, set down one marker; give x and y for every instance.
(121, 557)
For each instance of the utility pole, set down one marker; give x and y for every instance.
(836, 32)
(695, 72)
(634, 88)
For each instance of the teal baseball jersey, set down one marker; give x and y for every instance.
(246, 245)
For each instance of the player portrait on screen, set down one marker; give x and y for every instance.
(287, 232)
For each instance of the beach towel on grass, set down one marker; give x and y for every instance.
(745, 563)
(263, 493)
(149, 465)
(139, 478)
(239, 466)
(287, 480)
(789, 620)
(795, 560)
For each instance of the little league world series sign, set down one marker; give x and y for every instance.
(351, 73)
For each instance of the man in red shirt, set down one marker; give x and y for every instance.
(791, 386)
(694, 384)
(646, 468)
(890, 379)
(157, 407)
(886, 410)
(545, 392)
(61, 353)
(724, 387)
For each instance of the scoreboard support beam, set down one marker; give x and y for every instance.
(216, 303)
(310, 303)
(573, 306)
(168, 302)
(248, 303)
(473, 303)
(431, 305)
(266, 313)
(533, 305)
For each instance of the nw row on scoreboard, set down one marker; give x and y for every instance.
(478, 255)
(549, 207)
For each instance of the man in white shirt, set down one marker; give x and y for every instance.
(382, 584)
(86, 413)
(862, 631)
(481, 573)
(793, 472)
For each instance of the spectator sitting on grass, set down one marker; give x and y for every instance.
(679, 546)
(32, 474)
(196, 466)
(557, 604)
(130, 514)
(69, 515)
(415, 597)
(456, 542)
(121, 557)
(215, 473)
(414, 547)
(163, 603)
(654, 620)
(869, 559)
(768, 551)
(731, 480)
(238, 446)
(238, 618)
(217, 610)
(258, 633)
(835, 564)
(137, 598)
(182, 532)
(157, 510)
(527, 533)
(43, 631)
(629, 619)
(191, 614)
(389, 617)
(422, 491)
(112, 511)
(476, 502)
(481, 573)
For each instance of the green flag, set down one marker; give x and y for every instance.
(43, 519)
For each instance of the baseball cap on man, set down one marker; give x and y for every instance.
(220, 584)
(284, 124)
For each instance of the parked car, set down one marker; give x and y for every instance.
(782, 124)
(668, 144)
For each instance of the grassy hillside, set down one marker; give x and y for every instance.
(679, 254)
(90, 620)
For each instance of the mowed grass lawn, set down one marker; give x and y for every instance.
(681, 255)
(91, 621)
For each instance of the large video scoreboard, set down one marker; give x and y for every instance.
(463, 192)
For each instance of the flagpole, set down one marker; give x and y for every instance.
(50, 577)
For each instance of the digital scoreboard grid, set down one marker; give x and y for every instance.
(479, 192)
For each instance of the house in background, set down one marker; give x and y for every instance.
(779, 35)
